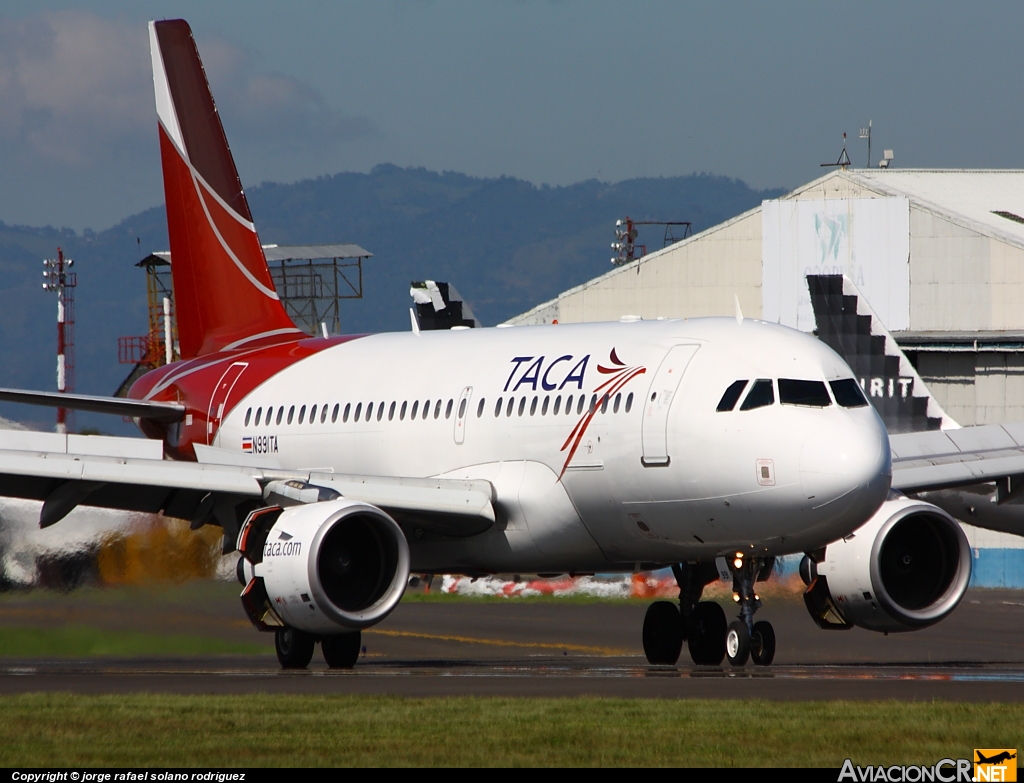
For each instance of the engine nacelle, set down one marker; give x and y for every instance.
(321, 567)
(904, 569)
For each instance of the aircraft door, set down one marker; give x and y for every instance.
(220, 397)
(461, 414)
(659, 400)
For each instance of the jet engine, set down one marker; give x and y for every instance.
(905, 569)
(321, 567)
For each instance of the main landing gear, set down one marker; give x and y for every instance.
(295, 648)
(703, 625)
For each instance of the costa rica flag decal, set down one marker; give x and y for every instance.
(247, 445)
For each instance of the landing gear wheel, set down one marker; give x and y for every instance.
(341, 650)
(762, 643)
(294, 648)
(663, 633)
(706, 634)
(737, 643)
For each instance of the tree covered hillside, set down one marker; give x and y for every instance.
(506, 244)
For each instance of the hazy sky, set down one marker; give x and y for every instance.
(552, 92)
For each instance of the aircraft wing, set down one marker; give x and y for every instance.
(130, 474)
(942, 459)
(118, 406)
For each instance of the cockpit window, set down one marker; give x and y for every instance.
(761, 393)
(809, 393)
(848, 393)
(732, 394)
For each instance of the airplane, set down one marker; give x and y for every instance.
(996, 759)
(336, 466)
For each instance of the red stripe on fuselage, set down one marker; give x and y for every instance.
(192, 383)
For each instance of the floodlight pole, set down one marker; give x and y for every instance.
(62, 282)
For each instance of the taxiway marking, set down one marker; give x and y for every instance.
(609, 651)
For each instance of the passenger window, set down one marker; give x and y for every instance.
(522, 405)
(391, 411)
(811, 394)
(593, 403)
(426, 409)
(415, 409)
(618, 399)
(511, 404)
(323, 414)
(848, 393)
(544, 407)
(497, 408)
(448, 410)
(280, 415)
(629, 402)
(359, 413)
(312, 415)
(732, 394)
(380, 411)
(302, 414)
(580, 403)
(291, 414)
(259, 412)
(558, 405)
(248, 415)
(344, 416)
(604, 404)
(762, 393)
(401, 413)
(480, 408)
(568, 405)
(369, 411)
(533, 407)
(437, 409)
(462, 407)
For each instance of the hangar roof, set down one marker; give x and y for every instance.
(973, 198)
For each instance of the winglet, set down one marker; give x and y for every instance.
(224, 295)
(848, 325)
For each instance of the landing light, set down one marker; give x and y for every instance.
(736, 597)
(738, 562)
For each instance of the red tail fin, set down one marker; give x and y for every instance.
(223, 292)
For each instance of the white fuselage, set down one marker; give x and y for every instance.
(655, 476)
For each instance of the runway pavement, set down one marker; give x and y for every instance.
(531, 648)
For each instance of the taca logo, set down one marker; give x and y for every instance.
(553, 375)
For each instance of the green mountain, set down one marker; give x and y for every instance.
(506, 244)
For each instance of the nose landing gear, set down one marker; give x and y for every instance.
(746, 639)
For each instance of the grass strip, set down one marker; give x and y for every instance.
(84, 641)
(42, 730)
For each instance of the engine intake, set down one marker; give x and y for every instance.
(905, 569)
(322, 566)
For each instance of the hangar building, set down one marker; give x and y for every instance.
(939, 255)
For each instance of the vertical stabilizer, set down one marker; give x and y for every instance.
(848, 325)
(224, 295)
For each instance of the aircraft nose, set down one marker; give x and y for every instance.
(849, 456)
